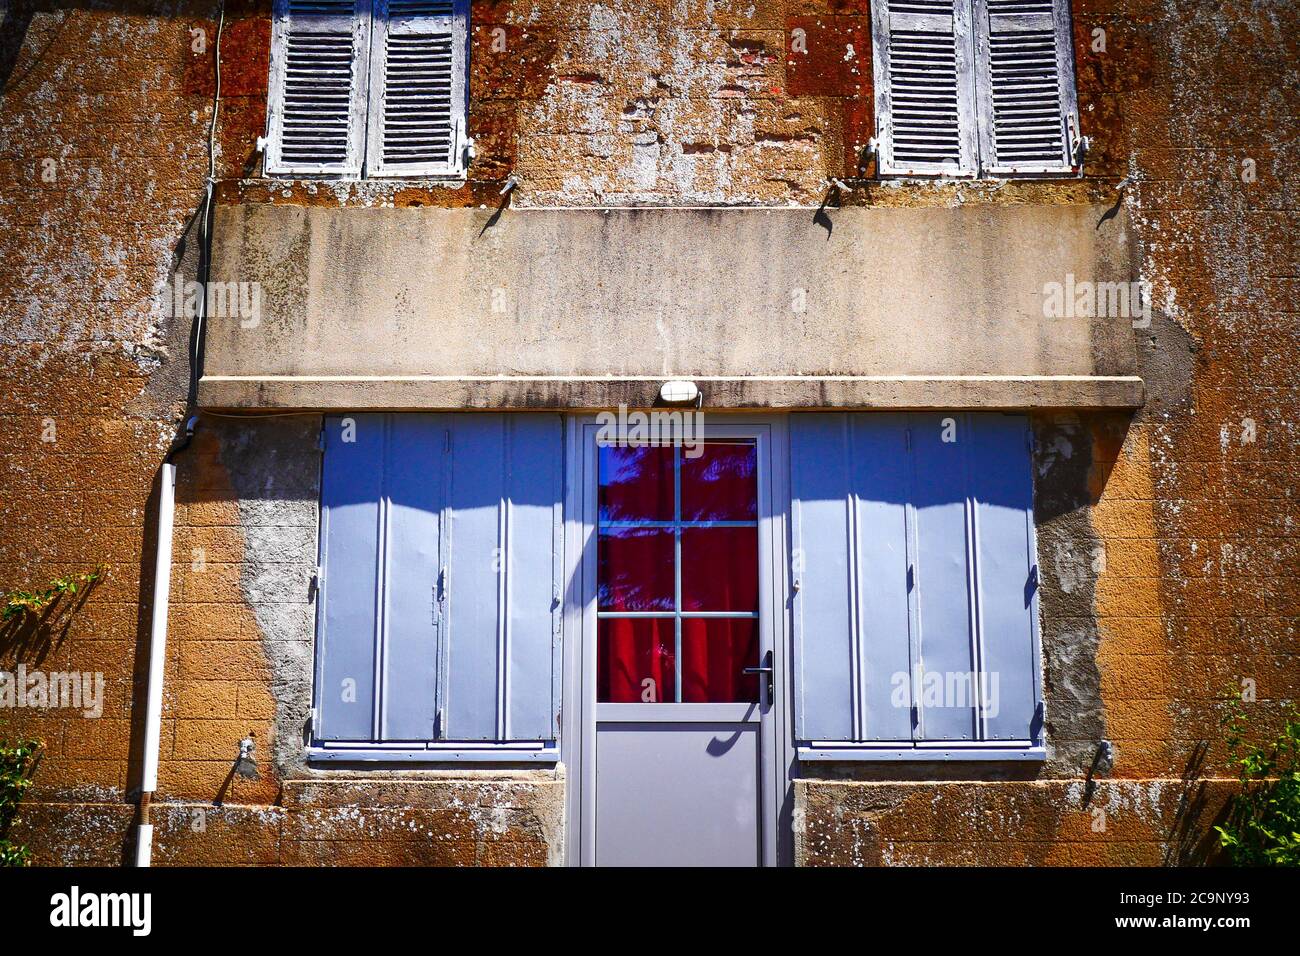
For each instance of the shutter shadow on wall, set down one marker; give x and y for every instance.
(915, 613)
(440, 547)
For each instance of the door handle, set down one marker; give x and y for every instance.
(765, 668)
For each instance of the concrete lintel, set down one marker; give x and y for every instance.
(780, 392)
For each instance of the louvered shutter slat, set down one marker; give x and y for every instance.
(1028, 118)
(317, 87)
(924, 100)
(417, 96)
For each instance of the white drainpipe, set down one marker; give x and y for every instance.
(162, 580)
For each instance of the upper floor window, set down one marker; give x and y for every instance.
(975, 88)
(368, 88)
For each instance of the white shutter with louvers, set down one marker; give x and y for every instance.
(317, 90)
(925, 105)
(1029, 122)
(417, 90)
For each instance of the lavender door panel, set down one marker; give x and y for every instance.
(677, 794)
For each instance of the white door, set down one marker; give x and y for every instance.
(682, 627)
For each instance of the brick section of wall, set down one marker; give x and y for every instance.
(1006, 823)
(372, 822)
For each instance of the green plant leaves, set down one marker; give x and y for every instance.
(22, 603)
(17, 764)
(1263, 823)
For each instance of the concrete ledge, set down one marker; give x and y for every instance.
(589, 308)
(787, 392)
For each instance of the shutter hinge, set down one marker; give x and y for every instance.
(320, 440)
(1029, 440)
(446, 445)
(464, 143)
(313, 724)
(1079, 144)
(907, 438)
(317, 579)
(1036, 727)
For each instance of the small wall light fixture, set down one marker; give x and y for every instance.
(679, 392)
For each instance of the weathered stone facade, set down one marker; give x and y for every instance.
(1167, 538)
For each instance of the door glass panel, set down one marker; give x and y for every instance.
(720, 569)
(677, 575)
(721, 484)
(715, 651)
(636, 483)
(635, 660)
(636, 569)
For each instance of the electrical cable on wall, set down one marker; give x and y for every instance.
(167, 503)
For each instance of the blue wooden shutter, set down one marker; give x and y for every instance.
(504, 576)
(824, 620)
(381, 500)
(852, 664)
(534, 576)
(943, 610)
(913, 556)
(347, 638)
(881, 489)
(413, 499)
(1007, 595)
(440, 543)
